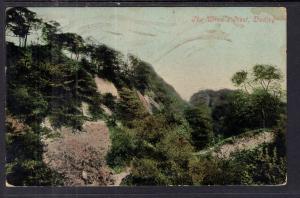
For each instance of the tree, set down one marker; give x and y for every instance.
(72, 42)
(20, 21)
(130, 107)
(266, 77)
(266, 107)
(239, 79)
(50, 32)
(201, 123)
(265, 92)
(141, 73)
(235, 116)
(108, 62)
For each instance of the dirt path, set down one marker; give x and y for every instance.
(119, 177)
(239, 144)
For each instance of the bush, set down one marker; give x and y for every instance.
(262, 166)
(109, 101)
(24, 161)
(201, 124)
(122, 148)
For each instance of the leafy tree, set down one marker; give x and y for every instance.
(219, 171)
(50, 32)
(239, 79)
(108, 62)
(201, 124)
(110, 101)
(266, 77)
(266, 107)
(130, 107)
(141, 73)
(261, 166)
(123, 147)
(72, 42)
(20, 21)
(28, 105)
(24, 159)
(236, 116)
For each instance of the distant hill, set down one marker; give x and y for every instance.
(210, 97)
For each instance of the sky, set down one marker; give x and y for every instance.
(191, 48)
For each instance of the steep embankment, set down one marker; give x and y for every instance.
(80, 156)
(247, 141)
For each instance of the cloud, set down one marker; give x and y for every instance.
(143, 33)
(277, 13)
(113, 33)
(141, 22)
(210, 35)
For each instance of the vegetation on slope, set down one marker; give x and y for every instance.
(55, 75)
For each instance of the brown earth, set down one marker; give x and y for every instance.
(105, 86)
(80, 156)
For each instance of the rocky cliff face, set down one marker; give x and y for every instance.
(210, 97)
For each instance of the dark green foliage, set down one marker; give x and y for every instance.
(163, 163)
(27, 104)
(130, 107)
(146, 172)
(245, 111)
(32, 173)
(151, 128)
(54, 79)
(20, 21)
(141, 74)
(267, 107)
(262, 166)
(236, 116)
(110, 101)
(201, 124)
(24, 160)
(123, 147)
(220, 172)
(280, 135)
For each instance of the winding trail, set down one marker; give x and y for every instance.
(238, 144)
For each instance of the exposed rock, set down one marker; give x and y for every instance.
(104, 86)
(209, 97)
(148, 102)
(47, 124)
(15, 125)
(85, 109)
(106, 109)
(80, 156)
(84, 175)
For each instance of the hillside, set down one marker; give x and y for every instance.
(211, 98)
(80, 113)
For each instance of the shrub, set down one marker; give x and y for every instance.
(122, 149)
(201, 124)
